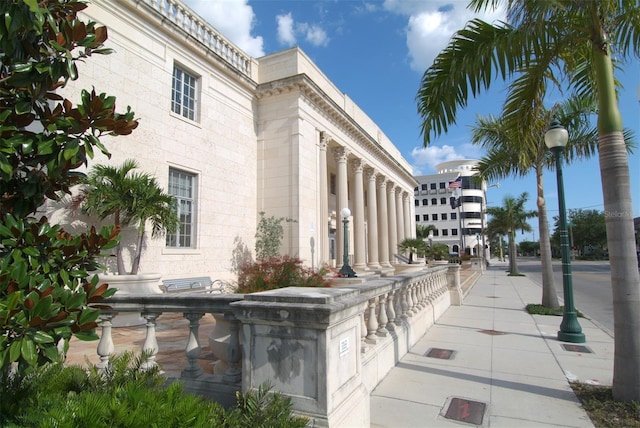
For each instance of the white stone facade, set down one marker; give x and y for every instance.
(459, 227)
(271, 134)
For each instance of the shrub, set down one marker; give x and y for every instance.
(127, 395)
(277, 272)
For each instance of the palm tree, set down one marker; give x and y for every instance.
(423, 231)
(507, 219)
(518, 151)
(413, 245)
(130, 198)
(556, 43)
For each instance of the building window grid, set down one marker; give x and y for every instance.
(182, 187)
(184, 93)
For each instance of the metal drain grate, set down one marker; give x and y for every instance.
(576, 348)
(463, 410)
(443, 354)
(492, 332)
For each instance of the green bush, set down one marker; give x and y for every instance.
(127, 395)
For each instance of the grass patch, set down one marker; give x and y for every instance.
(537, 309)
(604, 412)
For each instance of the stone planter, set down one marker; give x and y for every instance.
(132, 284)
(409, 268)
(433, 263)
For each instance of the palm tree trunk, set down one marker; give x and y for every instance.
(120, 260)
(513, 265)
(625, 281)
(135, 264)
(549, 293)
(616, 189)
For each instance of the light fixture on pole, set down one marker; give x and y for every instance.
(556, 139)
(345, 270)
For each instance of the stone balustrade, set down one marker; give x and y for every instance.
(184, 18)
(326, 348)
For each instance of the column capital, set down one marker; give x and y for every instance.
(325, 138)
(341, 154)
(357, 164)
(381, 181)
(370, 173)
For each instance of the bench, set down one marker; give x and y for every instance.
(202, 284)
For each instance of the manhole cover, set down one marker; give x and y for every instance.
(443, 354)
(492, 332)
(463, 410)
(577, 348)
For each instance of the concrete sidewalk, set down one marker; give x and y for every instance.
(506, 367)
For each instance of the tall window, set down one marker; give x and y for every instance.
(182, 186)
(184, 93)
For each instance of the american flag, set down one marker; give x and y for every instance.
(455, 184)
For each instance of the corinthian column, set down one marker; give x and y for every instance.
(359, 246)
(341, 155)
(393, 222)
(400, 215)
(323, 224)
(383, 224)
(409, 232)
(372, 218)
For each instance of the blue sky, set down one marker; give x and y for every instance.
(376, 52)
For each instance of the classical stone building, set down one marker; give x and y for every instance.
(232, 136)
(458, 224)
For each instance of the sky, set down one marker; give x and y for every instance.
(376, 52)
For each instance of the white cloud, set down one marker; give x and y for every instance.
(314, 34)
(425, 159)
(431, 24)
(233, 18)
(289, 30)
(286, 34)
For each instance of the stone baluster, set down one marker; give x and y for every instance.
(372, 326)
(234, 354)
(105, 346)
(408, 311)
(363, 331)
(400, 306)
(193, 350)
(422, 294)
(391, 310)
(382, 317)
(150, 345)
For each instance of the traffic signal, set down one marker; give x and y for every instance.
(455, 202)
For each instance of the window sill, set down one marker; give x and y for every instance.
(172, 251)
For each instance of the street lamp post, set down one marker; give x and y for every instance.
(345, 270)
(556, 139)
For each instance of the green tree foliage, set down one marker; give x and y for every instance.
(269, 236)
(587, 228)
(529, 248)
(129, 197)
(46, 294)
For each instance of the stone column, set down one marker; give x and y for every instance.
(341, 155)
(359, 244)
(372, 219)
(383, 224)
(409, 232)
(323, 223)
(400, 215)
(393, 222)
